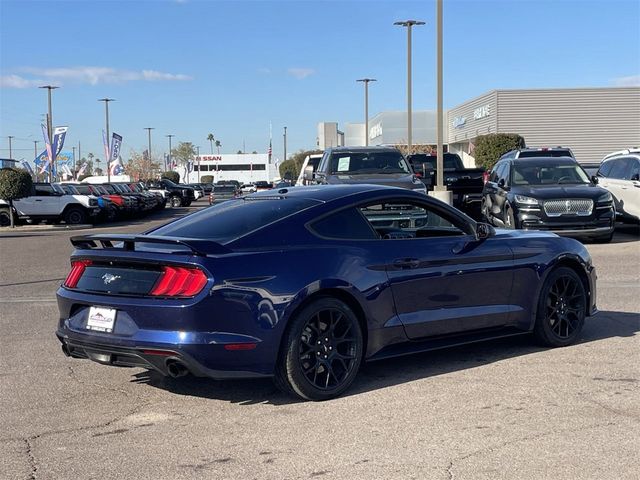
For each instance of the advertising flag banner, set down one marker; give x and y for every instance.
(40, 159)
(83, 168)
(115, 165)
(59, 133)
(49, 151)
(27, 167)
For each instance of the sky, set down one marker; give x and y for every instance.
(233, 68)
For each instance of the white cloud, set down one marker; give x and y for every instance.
(264, 70)
(86, 75)
(15, 81)
(631, 81)
(300, 73)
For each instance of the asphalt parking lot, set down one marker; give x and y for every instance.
(503, 409)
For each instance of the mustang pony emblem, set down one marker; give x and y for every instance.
(107, 278)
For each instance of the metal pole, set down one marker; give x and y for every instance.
(10, 152)
(50, 127)
(75, 162)
(285, 144)
(366, 107)
(106, 113)
(35, 149)
(168, 160)
(198, 149)
(439, 113)
(409, 24)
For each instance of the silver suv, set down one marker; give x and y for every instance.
(620, 174)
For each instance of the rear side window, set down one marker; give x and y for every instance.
(44, 190)
(346, 224)
(621, 169)
(233, 219)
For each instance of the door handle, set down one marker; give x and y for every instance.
(38, 200)
(406, 263)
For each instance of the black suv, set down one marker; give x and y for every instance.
(548, 193)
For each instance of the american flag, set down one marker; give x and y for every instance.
(270, 151)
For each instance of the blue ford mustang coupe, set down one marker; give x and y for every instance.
(304, 284)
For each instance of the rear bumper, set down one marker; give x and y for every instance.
(156, 357)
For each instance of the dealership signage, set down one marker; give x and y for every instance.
(481, 112)
(215, 158)
(459, 122)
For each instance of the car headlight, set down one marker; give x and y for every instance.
(605, 198)
(522, 200)
(421, 189)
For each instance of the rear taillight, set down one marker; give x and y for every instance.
(77, 269)
(179, 282)
(485, 177)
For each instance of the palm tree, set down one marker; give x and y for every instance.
(218, 145)
(211, 139)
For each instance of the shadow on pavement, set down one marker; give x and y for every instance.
(387, 373)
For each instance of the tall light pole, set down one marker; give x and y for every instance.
(169, 159)
(10, 137)
(409, 24)
(50, 127)
(148, 129)
(107, 151)
(285, 144)
(198, 157)
(35, 149)
(366, 107)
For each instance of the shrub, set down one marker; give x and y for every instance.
(489, 148)
(288, 169)
(206, 179)
(14, 184)
(173, 176)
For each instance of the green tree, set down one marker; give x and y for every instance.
(218, 145)
(297, 160)
(211, 139)
(14, 184)
(289, 170)
(184, 152)
(140, 167)
(239, 152)
(173, 176)
(489, 148)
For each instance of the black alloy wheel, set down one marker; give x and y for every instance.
(75, 216)
(5, 217)
(561, 309)
(176, 201)
(323, 351)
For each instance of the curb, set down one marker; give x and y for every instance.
(44, 228)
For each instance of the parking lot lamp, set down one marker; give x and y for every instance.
(409, 24)
(106, 113)
(366, 107)
(148, 129)
(169, 159)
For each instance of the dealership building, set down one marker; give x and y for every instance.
(244, 167)
(591, 121)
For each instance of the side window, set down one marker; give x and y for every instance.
(44, 190)
(494, 172)
(346, 224)
(621, 169)
(397, 220)
(605, 168)
(501, 172)
(635, 169)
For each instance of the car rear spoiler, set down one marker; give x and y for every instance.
(197, 246)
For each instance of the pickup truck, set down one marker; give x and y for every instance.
(177, 195)
(465, 183)
(49, 202)
(376, 165)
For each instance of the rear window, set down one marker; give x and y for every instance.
(451, 161)
(545, 153)
(233, 219)
(224, 189)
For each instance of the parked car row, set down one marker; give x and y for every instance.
(79, 203)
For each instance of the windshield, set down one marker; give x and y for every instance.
(359, 163)
(532, 174)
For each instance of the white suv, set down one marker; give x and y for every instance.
(48, 202)
(620, 174)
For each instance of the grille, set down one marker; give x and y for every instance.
(581, 207)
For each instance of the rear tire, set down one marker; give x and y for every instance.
(322, 351)
(75, 216)
(561, 308)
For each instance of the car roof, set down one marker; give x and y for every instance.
(545, 160)
(375, 148)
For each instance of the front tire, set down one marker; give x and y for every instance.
(561, 308)
(75, 216)
(5, 217)
(176, 202)
(322, 351)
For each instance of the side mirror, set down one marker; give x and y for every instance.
(484, 231)
(594, 179)
(308, 173)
